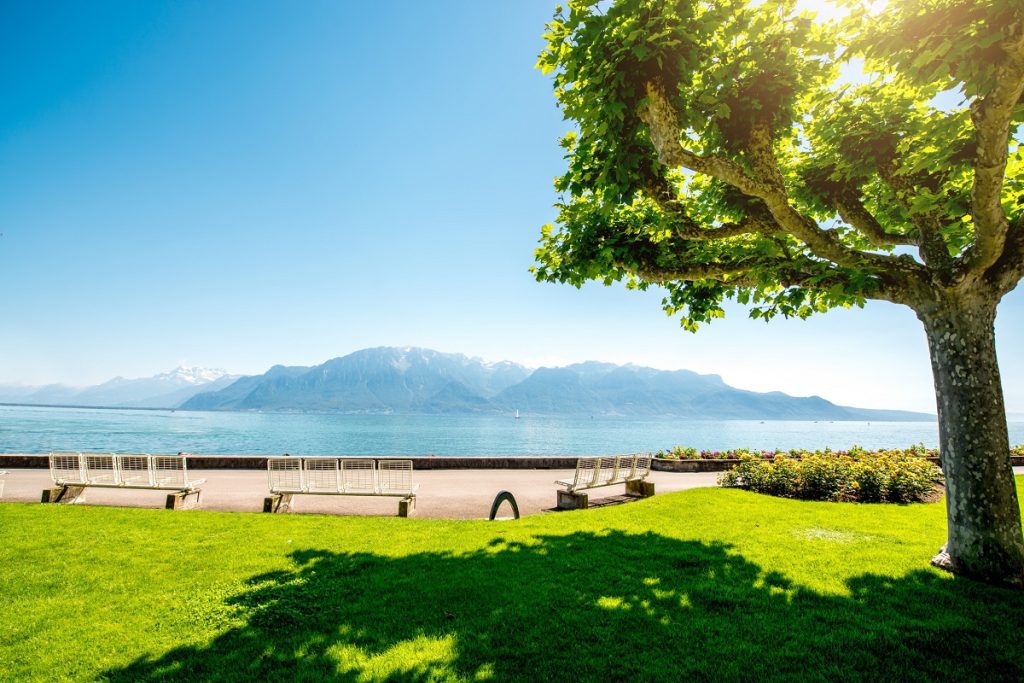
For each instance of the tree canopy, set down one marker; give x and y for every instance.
(745, 150)
(741, 149)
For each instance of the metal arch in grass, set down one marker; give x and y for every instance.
(501, 498)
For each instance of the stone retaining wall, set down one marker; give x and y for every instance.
(255, 462)
(251, 462)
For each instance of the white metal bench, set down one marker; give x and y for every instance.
(592, 473)
(288, 476)
(73, 472)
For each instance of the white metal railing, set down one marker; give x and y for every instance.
(607, 470)
(140, 471)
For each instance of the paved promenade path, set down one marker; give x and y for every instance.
(451, 494)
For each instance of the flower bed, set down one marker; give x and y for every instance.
(684, 453)
(673, 458)
(895, 476)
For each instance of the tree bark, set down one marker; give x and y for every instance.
(983, 515)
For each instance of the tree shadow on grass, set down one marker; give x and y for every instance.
(589, 606)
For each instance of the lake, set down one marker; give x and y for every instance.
(26, 429)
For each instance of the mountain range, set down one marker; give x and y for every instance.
(421, 381)
(166, 390)
(412, 380)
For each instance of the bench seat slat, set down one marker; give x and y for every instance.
(192, 486)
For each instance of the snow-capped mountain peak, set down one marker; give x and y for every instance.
(166, 390)
(185, 374)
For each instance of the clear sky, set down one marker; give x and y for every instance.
(239, 184)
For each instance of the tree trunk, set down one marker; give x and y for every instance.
(984, 518)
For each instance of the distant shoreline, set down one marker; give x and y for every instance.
(924, 416)
(68, 405)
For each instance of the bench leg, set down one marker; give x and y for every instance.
(278, 502)
(182, 500)
(407, 506)
(573, 501)
(639, 487)
(64, 494)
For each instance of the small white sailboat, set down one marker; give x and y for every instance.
(517, 413)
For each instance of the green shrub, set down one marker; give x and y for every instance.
(857, 475)
(870, 480)
(783, 477)
(748, 473)
(779, 476)
(912, 480)
(826, 476)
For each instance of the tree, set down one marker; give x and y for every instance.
(731, 151)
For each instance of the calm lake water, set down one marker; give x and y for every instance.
(39, 430)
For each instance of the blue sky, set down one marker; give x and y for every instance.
(240, 184)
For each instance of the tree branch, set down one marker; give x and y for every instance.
(851, 210)
(686, 228)
(733, 274)
(663, 126)
(785, 274)
(932, 246)
(992, 116)
(747, 226)
(1008, 271)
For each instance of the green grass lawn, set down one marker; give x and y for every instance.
(708, 583)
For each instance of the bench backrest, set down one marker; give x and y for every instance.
(339, 475)
(304, 475)
(136, 470)
(612, 469)
(394, 476)
(641, 466)
(320, 475)
(100, 468)
(108, 469)
(66, 468)
(169, 470)
(607, 471)
(359, 475)
(586, 473)
(285, 474)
